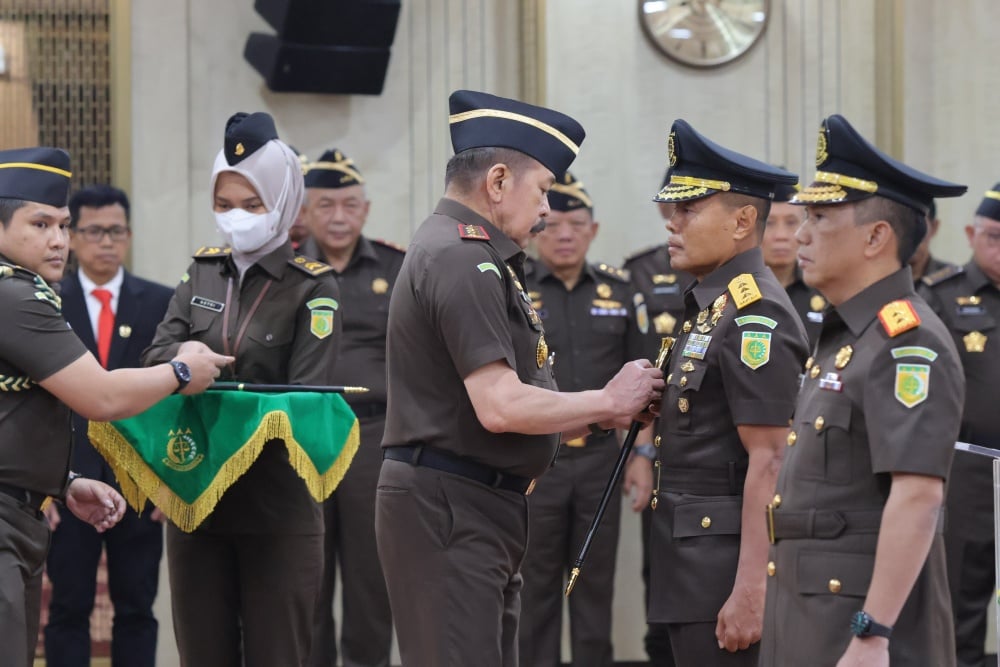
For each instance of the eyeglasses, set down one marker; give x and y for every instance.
(95, 233)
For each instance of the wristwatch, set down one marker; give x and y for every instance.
(647, 451)
(70, 478)
(863, 625)
(182, 373)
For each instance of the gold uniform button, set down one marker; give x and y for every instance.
(771, 568)
(656, 441)
(814, 372)
(776, 503)
(809, 363)
(706, 522)
(818, 424)
(834, 585)
(684, 380)
(792, 437)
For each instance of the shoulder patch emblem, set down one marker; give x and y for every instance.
(476, 232)
(756, 319)
(310, 266)
(489, 266)
(212, 252)
(389, 244)
(744, 290)
(898, 316)
(941, 275)
(755, 349)
(912, 383)
(321, 316)
(914, 351)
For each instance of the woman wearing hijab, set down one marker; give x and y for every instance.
(243, 583)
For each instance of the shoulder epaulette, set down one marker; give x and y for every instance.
(474, 232)
(10, 270)
(621, 275)
(310, 266)
(642, 252)
(941, 275)
(744, 290)
(898, 316)
(212, 252)
(389, 244)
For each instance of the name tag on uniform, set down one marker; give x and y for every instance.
(207, 304)
(813, 316)
(970, 310)
(667, 289)
(696, 346)
(609, 312)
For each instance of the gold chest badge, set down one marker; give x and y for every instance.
(541, 351)
(975, 341)
(817, 302)
(843, 357)
(380, 286)
(604, 291)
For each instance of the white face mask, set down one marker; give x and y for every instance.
(245, 231)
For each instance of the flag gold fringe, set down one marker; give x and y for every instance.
(139, 483)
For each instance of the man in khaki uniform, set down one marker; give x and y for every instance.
(45, 371)
(855, 523)
(967, 299)
(473, 414)
(731, 388)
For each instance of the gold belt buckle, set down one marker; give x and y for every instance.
(531, 487)
(770, 523)
(576, 442)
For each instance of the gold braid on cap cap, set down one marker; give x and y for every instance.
(343, 166)
(821, 193)
(700, 183)
(573, 190)
(992, 194)
(39, 167)
(847, 181)
(510, 115)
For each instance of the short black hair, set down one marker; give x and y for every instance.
(763, 206)
(464, 168)
(96, 196)
(8, 207)
(906, 222)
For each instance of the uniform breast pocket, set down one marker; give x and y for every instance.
(685, 381)
(835, 574)
(271, 337)
(708, 517)
(824, 433)
(202, 320)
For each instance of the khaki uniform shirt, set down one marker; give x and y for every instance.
(881, 395)
(35, 343)
(365, 287)
(663, 292)
(969, 305)
(459, 304)
(290, 338)
(737, 361)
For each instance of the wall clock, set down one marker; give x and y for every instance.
(704, 33)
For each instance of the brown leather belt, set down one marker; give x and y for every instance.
(32, 499)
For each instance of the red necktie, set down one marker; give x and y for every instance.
(105, 325)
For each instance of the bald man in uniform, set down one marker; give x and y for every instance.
(857, 572)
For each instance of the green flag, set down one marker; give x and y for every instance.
(186, 451)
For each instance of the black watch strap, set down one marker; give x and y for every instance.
(863, 625)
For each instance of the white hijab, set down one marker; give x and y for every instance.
(275, 172)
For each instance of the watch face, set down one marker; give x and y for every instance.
(860, 624)
(704, 33)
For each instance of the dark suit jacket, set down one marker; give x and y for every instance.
(141, 306)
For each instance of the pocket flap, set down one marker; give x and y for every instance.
(714, 516)
(829, 573)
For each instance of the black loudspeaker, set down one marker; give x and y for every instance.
(324, 46)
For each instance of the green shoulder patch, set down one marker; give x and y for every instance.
(756, 319)
(309, 266)
(914, 351)
(321, 312)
